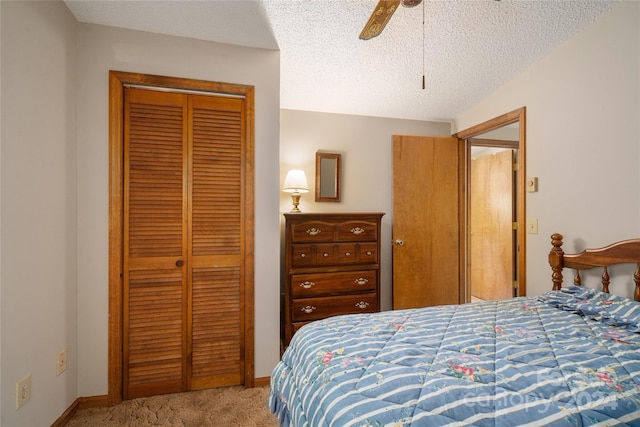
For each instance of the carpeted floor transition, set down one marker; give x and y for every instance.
(225, 406)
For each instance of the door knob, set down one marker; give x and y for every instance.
(179, 263)
(399, 242)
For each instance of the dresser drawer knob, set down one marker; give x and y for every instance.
(303, 255)
(368, 252)
(361, 281)
(308, 309)
(307, 284)
(325, 254)
(313, 231)
(357, 230)
(362, 304)
(348, 253)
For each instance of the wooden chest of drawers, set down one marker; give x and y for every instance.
(331, 267)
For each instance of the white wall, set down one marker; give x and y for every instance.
(367, 177)
(38, 176)
(101, 49)
(583, 139)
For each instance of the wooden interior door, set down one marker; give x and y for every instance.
(183, 257)
(491, 233)
(426, 221)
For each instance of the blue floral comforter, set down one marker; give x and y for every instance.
(567, 358)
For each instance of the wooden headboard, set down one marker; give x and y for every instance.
(626, 251)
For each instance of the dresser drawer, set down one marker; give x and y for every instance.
(309, 255)
(325, 254)
(357, 230)
(305, 309)
(301, 255)
(313, 231)
(338, 230)
(347, 253)
(315, 284)
(368, 253)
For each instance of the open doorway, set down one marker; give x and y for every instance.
(492, 213)
(494, 225)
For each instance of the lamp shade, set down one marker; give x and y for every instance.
(295, 182)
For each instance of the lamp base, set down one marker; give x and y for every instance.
(295, 199)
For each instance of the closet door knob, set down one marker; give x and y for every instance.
(179, 263)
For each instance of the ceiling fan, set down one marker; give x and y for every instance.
(381, 15)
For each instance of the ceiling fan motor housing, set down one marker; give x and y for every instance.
(411, 3)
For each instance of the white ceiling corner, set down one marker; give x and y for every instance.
(471, 47)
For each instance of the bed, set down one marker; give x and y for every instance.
(570, 357)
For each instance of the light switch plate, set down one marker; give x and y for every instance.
(23, 391)
(532, 225)
(532, 184)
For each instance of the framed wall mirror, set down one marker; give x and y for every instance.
(328, 177)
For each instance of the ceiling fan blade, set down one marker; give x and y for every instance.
(379, 18)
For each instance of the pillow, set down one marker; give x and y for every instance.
(600, 306)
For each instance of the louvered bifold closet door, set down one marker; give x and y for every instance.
(155, 243)
(215, 242)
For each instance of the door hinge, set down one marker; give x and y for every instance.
(515, 167)
(516, 285)
(514, 226)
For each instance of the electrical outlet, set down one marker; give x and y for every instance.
(23, 391)
(61, 363)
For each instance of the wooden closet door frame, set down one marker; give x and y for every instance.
(117, 81)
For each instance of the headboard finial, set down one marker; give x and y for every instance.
(555, 260)
(556, 240)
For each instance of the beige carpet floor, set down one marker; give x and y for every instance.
(225, 406)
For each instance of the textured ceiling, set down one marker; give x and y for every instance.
(469, 48)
